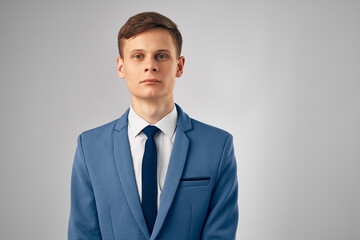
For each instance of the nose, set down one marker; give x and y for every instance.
(151, 66)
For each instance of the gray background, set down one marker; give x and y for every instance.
(282, 76)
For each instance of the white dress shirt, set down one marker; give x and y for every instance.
(164, 140)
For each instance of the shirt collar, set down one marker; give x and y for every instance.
(167, 124)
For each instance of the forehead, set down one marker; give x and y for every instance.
(150, 40)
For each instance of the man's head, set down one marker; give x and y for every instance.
(145, 21)
(150, 60)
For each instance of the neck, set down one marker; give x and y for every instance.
(152, 111)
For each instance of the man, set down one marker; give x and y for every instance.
(154, 173)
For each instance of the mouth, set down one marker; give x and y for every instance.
(150, 81)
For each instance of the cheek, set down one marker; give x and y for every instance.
(172, 68)
(131, 72)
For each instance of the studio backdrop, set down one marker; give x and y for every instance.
(281, 76)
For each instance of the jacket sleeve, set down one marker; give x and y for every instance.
(223, 213)
(83, 221)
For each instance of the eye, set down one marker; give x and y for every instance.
(162, 56)
(137, 56)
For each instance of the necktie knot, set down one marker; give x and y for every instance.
(150, 131)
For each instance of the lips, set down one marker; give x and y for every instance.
(153, 80)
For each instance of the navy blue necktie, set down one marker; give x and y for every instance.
(149, 178)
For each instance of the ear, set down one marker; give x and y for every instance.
(120, 67)
(180, 66)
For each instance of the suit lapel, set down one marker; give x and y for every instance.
(125, 169)
(175, 169)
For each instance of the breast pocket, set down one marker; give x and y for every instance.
(194, 182)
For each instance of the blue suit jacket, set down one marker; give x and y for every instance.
(199, 198)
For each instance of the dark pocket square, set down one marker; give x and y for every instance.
(194, 182)
(195, 179)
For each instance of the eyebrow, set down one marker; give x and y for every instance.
(142, 50)
(163, 50)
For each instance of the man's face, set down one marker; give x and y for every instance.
(150, 65)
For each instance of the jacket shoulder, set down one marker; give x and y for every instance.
(100, 131)
(206, 130)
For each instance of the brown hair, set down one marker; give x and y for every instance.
(145, 21)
